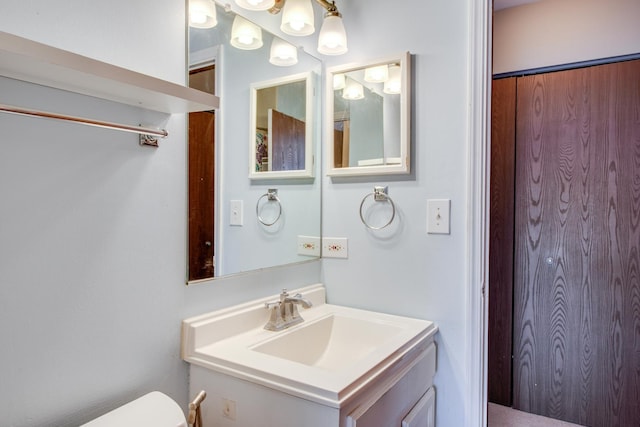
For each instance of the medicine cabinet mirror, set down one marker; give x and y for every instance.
(367, 117)
(280, 142)
(226, 193)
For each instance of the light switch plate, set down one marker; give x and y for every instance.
(438, 213)
(235, 212)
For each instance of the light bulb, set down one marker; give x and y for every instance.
(297, 18)
(202, 14)
(245, 35)
(338, 81)
(282, 53)
(377, 74)
(297, 24)
(353, 90)
(393, 85)
(256, 4)
(333, 38)
(245, 39)
(198, 17)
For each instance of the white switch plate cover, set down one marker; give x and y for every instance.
(309, 245)
(335, 247)
(438, 212)
(235, 212)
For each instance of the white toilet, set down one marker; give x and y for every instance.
(154, 409)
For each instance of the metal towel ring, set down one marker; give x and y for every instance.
(380, 194)
(195, 416)
(272, 196)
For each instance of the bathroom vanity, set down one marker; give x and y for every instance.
(340, 367)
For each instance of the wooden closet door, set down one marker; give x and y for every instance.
(503, 140)
(577, 246)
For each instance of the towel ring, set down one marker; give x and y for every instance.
(380, 194)
(195, 416)
(272, 196)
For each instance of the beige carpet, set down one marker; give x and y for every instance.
(501, 416)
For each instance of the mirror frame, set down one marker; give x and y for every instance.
(308, 171)
(404, 167)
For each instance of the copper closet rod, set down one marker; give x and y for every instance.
(84, 121)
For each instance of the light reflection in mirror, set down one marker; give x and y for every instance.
(368, 118)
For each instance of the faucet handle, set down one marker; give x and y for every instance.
(276, 322)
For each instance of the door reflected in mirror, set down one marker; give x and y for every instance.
(201, 179)
(368, 117)
(280, 110)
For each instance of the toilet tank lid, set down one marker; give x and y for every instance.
(154, 409)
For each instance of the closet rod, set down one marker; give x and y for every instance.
(80, 120)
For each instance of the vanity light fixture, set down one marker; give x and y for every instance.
(353, 90)
(393, 85)
(377, 74)
(333, 37)
(245, 35)
(297, 18)
(338, 81)
(256, 4)
(282, 53)
(202, 14)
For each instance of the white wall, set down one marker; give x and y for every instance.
(404, 270)
(555, 32)
(93, 227)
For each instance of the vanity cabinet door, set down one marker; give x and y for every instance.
(392, 407)
(423, 414)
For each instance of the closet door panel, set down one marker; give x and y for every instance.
(577, 292)
(503, 135)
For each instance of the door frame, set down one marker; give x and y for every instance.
(477, 228)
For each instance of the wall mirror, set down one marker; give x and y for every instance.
(281, 145)
(367, 117)
(226, 199)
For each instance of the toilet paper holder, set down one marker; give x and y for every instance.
(195, 418)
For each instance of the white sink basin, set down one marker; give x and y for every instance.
(325, 359)
(331, 342)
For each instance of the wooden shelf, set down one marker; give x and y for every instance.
(34, 62)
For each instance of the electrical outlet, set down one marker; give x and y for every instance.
(335, 247)
(308, 245)
(229, 409)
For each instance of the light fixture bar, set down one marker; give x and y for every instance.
(279, 4)
(332, 39)
(329, 7)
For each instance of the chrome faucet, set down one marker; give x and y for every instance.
(284, 312)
